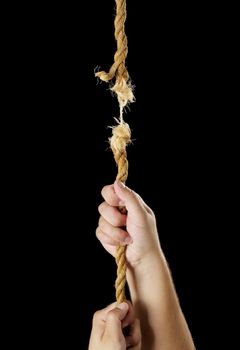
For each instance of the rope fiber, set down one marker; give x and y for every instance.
(118, 70)
(121, 134)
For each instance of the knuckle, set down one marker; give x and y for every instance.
(111, 316)
(101, 222)
(103, 192)
(100, 207)
(96, 317)
(97, 232)
(117, 219)
(134, 194)
(119, 234)
(137, 197)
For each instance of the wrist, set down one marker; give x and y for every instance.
(147, 271)
(148, 262)
(151, 276)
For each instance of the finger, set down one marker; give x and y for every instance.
(110, 196)
(113, 326)
(99, 320)
(116, 233)
(112, 215)
(134, 337)
(101, 315)
(130, 199)
(129, 319)
(106, 239)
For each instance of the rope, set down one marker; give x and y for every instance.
(119, 140)
(122, 86)
(121, 135)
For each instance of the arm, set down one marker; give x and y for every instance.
(153, 294)
(156, 304)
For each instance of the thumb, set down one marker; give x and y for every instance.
(128, 198)
(113, 328)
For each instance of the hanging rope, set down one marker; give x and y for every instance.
(119, 140)
(121, 135)
(122, 86)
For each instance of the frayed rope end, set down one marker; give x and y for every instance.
(124, 92)
(103, 76)
(121, 137)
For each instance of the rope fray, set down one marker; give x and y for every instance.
(122, 87)
(120, 131)
(124, 92)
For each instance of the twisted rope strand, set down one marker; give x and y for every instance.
(121, 135)
(122, 86)
(120, 139)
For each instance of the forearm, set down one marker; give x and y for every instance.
(156, 304)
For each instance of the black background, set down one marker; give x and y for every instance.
(65, 159)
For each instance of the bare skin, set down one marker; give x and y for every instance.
(108, 329)
(154, 298)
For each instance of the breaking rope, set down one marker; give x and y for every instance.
(121, 135)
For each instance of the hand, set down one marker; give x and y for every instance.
(149, 279)
(108, 325)
(137, 229)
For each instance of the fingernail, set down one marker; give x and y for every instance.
(123, 306)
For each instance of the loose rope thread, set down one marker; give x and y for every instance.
(122, 86)
(121, 134)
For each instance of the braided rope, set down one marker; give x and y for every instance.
(119, 140)
(121, 135)
(122, 86)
